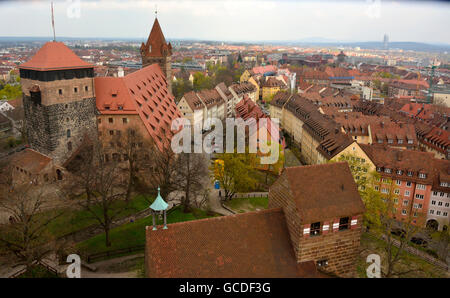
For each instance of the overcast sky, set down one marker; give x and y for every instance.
(238, 20)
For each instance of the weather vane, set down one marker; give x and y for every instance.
(156, 10)
(53, 24)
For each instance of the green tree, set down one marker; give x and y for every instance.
(233, 173)
(11, 92)
(201, 82)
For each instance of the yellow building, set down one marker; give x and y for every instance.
(270, 87)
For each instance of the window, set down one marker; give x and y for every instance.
(125, 120)
(68, 133)
(444, 184)
(433, 202)
(110, 120)
(86, 88)
(399, 172)
(99, 120)
(410, 173)
(385, 180)
(60, 91)
(435, 193)
(419, 196)
(404, 211)
(441, 194)
(438, 212)
(111, 132)
(75, 90)
(322, 263)
(343, 223)
(408, 184)
(69, 146)
(398, 182)
(431, 211)
(405, 203)
(400, 141)
(439, 203)
(444, 214)
(315, 229)
(397, 191)
(447, 205)
(384, 190)
(407, 193)
(420, 186)
(422, 175)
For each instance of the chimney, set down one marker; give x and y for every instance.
(120, 72)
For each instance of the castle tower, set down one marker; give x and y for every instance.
(156, 50)
(59, 100)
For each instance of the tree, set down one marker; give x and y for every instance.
(233, 172)
(26, 238)
(381, 201)
(102, 180)
(191, 171)
(202, 82)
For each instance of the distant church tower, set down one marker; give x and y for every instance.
(156, 50)
(59, 101)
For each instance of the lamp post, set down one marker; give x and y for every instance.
(159, 206)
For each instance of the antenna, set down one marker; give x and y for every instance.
(53, 24)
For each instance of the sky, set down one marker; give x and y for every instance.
(232, 20)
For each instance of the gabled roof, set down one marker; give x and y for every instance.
(253, 244)
(330, 191)
(31, 161)
(142, 92)
(55, 56)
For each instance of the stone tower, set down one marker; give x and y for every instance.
(59, 101)
(157, 50)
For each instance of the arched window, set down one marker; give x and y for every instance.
(68, 133)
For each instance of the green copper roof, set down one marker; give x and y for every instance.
(159, 204)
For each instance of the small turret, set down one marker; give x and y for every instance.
(159, 206)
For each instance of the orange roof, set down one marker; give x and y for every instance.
(53, 56)
(31, 161)
(142, 92)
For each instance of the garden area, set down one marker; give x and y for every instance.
(133, 234)
(409, 262)
(242, 205)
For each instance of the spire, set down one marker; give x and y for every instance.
(156, 44)
(159, 204)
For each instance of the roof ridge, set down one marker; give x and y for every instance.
(246, 214)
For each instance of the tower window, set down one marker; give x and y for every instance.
(75, 90)
(110, 120)
(69, 146)
(125, 120)
(315, 229)
(343, 223)
(68, 133)
(60, 91)
(86, 88)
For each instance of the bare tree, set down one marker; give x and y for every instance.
(26, 238)
(102, 179)
(192, 170)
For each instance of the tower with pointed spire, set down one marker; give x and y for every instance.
(157, 50)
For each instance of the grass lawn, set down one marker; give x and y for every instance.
(242, 205)
(371, 245)
(73, 220)
(133, 234)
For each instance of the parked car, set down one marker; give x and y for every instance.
(419, 241)
(398, 232)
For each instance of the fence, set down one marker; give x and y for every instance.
(251, 195)
(43, 264)
(113, 253)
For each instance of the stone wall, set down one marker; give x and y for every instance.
(47, 126)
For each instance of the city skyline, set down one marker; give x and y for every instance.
(330, 21)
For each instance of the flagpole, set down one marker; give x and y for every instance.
(53, 24)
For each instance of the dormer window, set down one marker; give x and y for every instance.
(400, 141)
(386, 170)
(315, 229)
(399, 172)
(410, 173)
(410, 141)
(378, 169)
(390, 141)
(120, 107)
(114, 95)
(422, 175)
(444, 184)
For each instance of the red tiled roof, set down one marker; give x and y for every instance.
(330, 191)
(54, 56)
(254, 244)
(156, 42)
(142, 92)
(30, 161)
